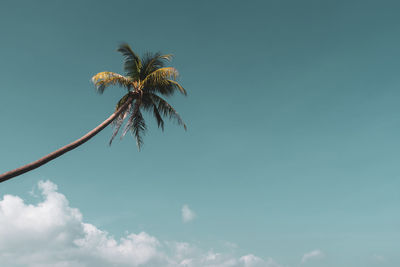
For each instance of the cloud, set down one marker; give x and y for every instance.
(187, 214)
(53, 234)
(315, 254)
(253, 261)
(379, 258)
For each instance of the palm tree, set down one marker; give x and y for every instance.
(145, 80)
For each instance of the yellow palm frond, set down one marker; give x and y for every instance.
(177, 85)
(104, 79)
(161, 75)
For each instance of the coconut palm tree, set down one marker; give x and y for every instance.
(146, 80)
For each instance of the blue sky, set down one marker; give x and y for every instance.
(292, 113)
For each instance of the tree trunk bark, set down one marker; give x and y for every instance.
(33, 165)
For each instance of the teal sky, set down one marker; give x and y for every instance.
(292, 112)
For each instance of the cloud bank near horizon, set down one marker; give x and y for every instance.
(51, 233)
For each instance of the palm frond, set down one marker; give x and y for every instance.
(149, 105)
(104, 79)
(157, 115)
(164, 87)
(116, 127)
(176, 85)
(138, 128)
(161, 75)
(162, 81)
(122, 101)
(132, 62)
(117, 123)
(166, 109)
(136, 124)
(129, 123)
(152, 62)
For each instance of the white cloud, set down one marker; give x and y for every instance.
(315, 254)
(253, 261)
(379, 258)
(187, 214)
(53, 234)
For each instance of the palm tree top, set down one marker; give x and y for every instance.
(146, 79)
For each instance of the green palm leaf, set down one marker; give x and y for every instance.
(167, 110)
(136, 124)
(132, 63)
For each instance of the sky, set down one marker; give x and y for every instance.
(290, 157)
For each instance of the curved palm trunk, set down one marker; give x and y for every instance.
(33, 165)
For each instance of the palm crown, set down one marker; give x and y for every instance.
(145, 80)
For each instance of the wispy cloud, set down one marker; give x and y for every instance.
(254, 261)
(51, 233)
(315, 254)
(187, 214)
(378, 258)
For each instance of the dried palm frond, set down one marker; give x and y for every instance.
(104, 79)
